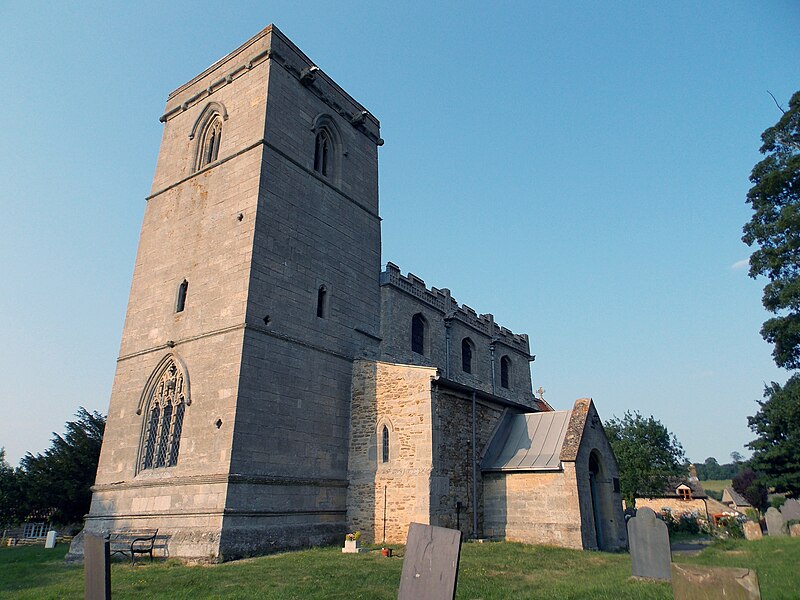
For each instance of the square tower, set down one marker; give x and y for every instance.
(254, 290)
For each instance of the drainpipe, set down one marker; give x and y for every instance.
(491, 352)
(474, 470)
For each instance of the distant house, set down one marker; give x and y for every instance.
(681, 495)
(733, 499)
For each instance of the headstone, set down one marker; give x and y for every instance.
(97, 567)
(692, 582)
(752, 530)
(50, 542)
(430, 567)
(794, 530)
(791, 510)
(776, 526)
(648, 539)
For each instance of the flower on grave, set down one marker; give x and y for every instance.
(352, 537)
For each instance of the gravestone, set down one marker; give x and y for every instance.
(776, 526)
(648, 539)
(794, 530)
(50, 542)
(430, 567)
(791, 510)
(692, 582)
(752, 530)
(97, 567)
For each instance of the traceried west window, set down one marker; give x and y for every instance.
(466, 355)
(418, 334)
(164, 406)
(323, 153)
(505, 371)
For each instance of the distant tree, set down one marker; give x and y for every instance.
(748, 485)
(647, 453)
(11, 501)
(775, 229)
(56, 484)
(776, 450)
(736, 457)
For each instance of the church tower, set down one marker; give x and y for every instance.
(254, 290)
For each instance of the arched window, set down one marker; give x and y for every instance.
(163, 404)
(322, 301)
(180, 302)
(466, 355)
(505, 371)
(418, 334)
(385, 445)
(209, 142)
(323, 153)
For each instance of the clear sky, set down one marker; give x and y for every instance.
(578, 169)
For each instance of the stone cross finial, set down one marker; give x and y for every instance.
(540, 393)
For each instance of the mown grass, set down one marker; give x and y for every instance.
(716, 485)
(488, 572)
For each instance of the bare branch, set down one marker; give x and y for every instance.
(780, 108)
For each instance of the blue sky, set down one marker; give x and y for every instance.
(577, 169)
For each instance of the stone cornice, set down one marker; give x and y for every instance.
(359, 118)
(218, 478)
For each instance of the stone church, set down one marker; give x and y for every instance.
(276, 388)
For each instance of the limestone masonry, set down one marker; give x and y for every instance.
(275, 389)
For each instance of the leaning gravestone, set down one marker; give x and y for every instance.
(752, 530)
(776, 526)
(791, 510)
(97, 567)
(648, 539)
(50, 542)
(430, 567)
(692, 582)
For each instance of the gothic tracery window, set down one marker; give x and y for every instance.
(323, 153)
(163, 414)
(209, 142)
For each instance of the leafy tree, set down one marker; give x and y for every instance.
(647, 453)
(736, 457)
(775, 230)
(56, 484)
(747, 483)
(10, 493)
(776, 450)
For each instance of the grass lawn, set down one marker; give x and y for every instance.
(488, 572)
(716, 485)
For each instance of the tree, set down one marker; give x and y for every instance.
(775, 229)
(10, 493)
(57, 484)
(647, 454)
(737, 457)
(748, 484)
(776, 450)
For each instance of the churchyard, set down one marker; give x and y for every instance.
(491, 571)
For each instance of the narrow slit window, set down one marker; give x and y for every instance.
(466, 355)
(385, 453)
(505, 371)
(180, 302)
(322, 301)
(418, 334)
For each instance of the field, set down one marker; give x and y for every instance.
(715, 485)
(488, 572)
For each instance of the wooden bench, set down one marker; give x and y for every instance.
(132, 542)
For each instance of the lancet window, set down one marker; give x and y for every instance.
(505, 371)
(385, 445)
(209, 142)
(466, 355)
(163, 414)
(323, 153)
(418, 334)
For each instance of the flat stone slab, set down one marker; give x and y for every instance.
(430, 567)
(691, 582)
(752, 530)
(648, 540)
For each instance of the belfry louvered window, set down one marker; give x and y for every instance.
(161, 433)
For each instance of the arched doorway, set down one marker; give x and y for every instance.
(595, 477)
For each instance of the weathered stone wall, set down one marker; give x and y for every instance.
(398, 396)
(452, 478)
(533, 507)
(404, 296)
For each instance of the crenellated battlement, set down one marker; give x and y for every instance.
(443, 301)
